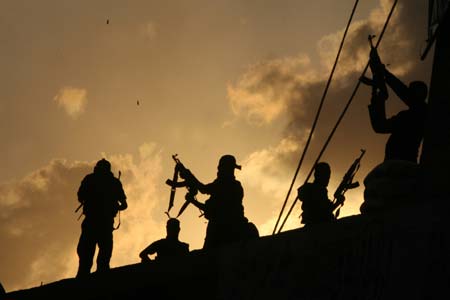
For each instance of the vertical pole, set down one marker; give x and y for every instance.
(436, 147)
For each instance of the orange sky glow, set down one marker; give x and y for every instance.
(211, 78)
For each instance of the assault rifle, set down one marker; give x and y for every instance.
(181, 170)
(347, 183)
(173, 182)
(377, 68)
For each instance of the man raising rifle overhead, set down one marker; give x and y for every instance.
(224, 209)
(406, 129)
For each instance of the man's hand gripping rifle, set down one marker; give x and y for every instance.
(189, 183)
(377, 83)
(347, 183)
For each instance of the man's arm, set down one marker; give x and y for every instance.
(191, 198)
(339, 200)
(121, 197)
(83, 190)
(192, 181)
(377, 113)
(399, 88)
(378, 73)
(123, 204)
(150, 250)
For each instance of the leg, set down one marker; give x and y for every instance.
(105, 246)
(85, 250)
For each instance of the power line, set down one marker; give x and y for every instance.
(342, 114)
(313, 127)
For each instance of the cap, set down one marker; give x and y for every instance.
(229, 160)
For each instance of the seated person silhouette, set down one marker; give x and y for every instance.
(316, 206)
(406, 128)
(168, 247)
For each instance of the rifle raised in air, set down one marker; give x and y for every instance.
(347, 183)
(174, 184)
(377, 82)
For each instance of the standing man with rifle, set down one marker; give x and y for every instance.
(316, 206)
(102, 196)
(224, 209)
(396, 179)
(406, 128)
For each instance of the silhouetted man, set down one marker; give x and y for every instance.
(102, 197)
(169, 247)
(316, 206)
(224, 209)
(407, 127)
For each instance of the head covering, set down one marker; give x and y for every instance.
(418, 92)
(322, 168)
(173, 223)
(102, 166)
(228, 161)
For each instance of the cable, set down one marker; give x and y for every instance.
(342, 114)
(317, 115)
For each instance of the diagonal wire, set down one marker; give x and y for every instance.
(342, 114)
(317, 115)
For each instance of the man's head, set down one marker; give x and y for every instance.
(102, 166)
(173, 227)
(417, 93)
(227, 164)
(322, 173)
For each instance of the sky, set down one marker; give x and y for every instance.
(138, 81)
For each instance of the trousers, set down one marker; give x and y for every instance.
(95, 233)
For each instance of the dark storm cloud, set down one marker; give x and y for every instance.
(299, 87)
(284, 88)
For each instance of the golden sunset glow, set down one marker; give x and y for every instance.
(137, 81)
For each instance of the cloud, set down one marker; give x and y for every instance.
(289, 89)
(37, 214)
(265, 169)
(271, 89)
(72, 100)
(267, 227)
(38, 227)
(397, 47)
(261, 95)
(266, 179)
